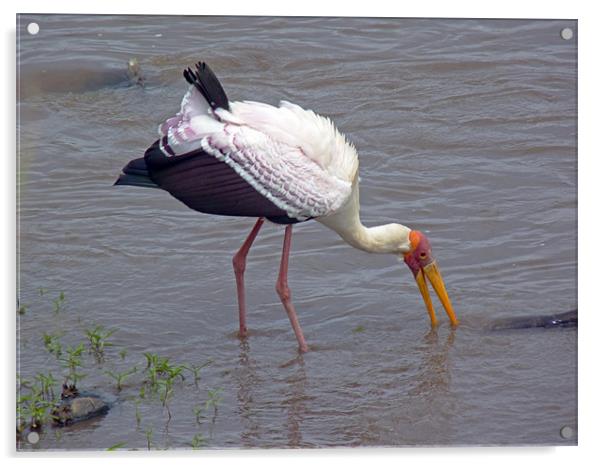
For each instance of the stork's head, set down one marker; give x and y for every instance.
(421, 262)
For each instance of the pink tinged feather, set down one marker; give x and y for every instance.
(314, 135)
(193, 104)
(170, 122)
(280, 172)
(287, 154)
(181, 129)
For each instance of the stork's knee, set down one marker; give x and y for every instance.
(239, 264)
(283, 291)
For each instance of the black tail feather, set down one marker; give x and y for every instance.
(135, 173)
(208, 85)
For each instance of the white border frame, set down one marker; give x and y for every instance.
(589, 233)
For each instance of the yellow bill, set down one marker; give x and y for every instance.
(434, 276)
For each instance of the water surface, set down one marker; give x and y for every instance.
(466, 129)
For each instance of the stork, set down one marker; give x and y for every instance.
(284, 164)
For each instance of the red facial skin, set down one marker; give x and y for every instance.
(420, 254)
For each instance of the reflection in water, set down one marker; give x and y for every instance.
(432, 403)
(434, 376)
(293, 400)
(295, 403)
(247, 380)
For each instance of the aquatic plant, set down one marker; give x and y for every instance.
(34, 407)
(151, 359)
(117, 446)
(159, 368)
(97, 339)
(58, 302)
(198, 413)
(162, 366)
(149, 438)
(161, 375)
(53, 344)
(120, 377)
(32, 411)
(46, 384)
(197, 441)
(196, 371)
(213, 400)
(165, 393)
(38, 397)
(138, 416)
(72, 363)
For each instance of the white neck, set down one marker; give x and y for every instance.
(391, 238)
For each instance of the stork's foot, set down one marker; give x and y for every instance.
(285, 296)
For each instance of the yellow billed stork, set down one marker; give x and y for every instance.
(284, 164)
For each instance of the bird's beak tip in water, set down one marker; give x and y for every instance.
(422, 264)
(434, 276)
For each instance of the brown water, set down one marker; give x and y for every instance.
(466, 130)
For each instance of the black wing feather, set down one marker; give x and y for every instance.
(209, 185)
(206, 82)
(198, 179)
(135, 173)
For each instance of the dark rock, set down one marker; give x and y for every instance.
(76, 406)
(565, 319)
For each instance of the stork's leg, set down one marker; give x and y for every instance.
(239, 261)
(284, 291)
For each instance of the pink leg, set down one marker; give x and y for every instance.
(239, 261)
(284, 291)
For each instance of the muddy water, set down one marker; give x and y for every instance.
(466, 129)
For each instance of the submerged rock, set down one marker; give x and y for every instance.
(565, 319)
(76, 76)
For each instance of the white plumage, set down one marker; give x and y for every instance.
(295, 158)
(253, 159)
